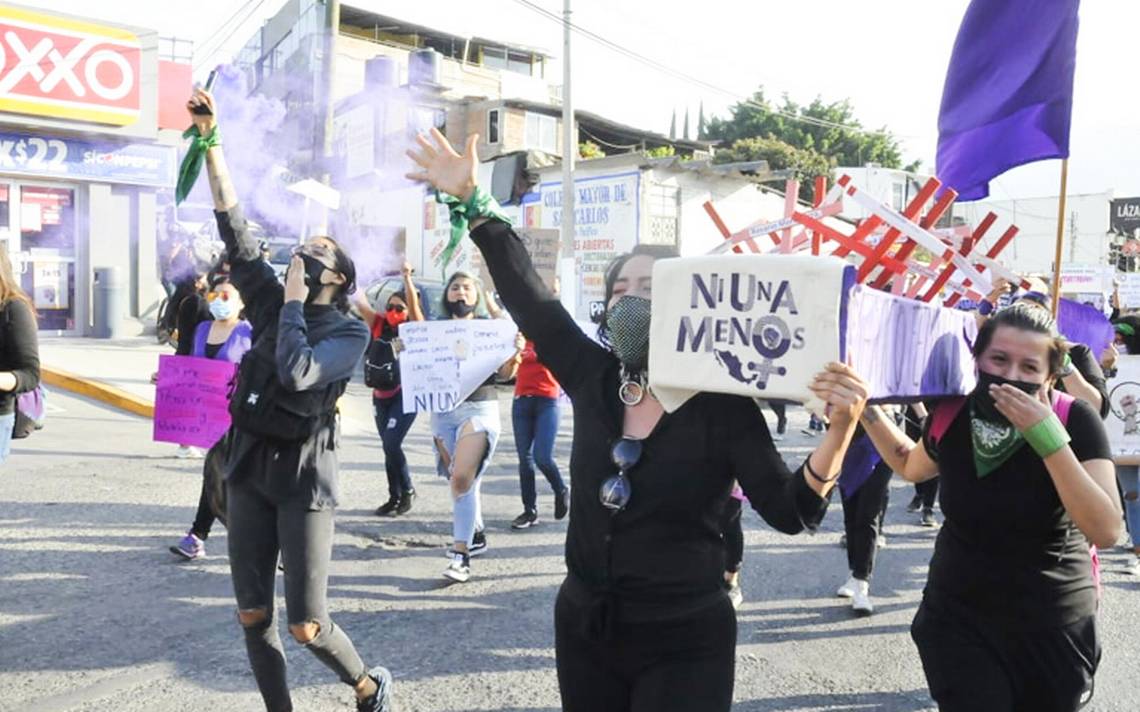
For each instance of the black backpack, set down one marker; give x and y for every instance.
(381, 365)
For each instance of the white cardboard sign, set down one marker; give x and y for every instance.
(1123, 421)
(759, 326)
(443, 362)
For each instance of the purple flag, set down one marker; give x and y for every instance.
(1084, 324)
(1008, 98)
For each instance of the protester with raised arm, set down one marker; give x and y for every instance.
(1008, 616)
(643, 620)
(281, 470)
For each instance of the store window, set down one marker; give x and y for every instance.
(542, 132)
(47, 243)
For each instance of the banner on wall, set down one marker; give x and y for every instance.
(606, 224)
(542, 246)
(191, 402)
(908, 349)
(443, 362)
(1123, 421)
(759, 326)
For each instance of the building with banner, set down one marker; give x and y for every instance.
(82, 158)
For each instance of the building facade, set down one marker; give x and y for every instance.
(82, 159)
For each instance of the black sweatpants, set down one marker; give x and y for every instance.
(863, 515)
(975, 667)
(681, 665)
(928, 490)
(733, 533)
(204, 518)
(258, 531)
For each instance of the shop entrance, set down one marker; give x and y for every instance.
(38, 224)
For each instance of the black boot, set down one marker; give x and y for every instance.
(405, 504)
(388, 508)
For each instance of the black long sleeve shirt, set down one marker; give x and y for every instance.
(19, 350)
(311, 346)
(663, 555)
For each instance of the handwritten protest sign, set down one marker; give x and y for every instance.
(1123, 421)
(907, 349)
(754, 325)
(542, 246)
(191, 406)
(1129, 290)
(443, 362)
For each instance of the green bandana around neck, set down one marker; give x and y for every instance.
(993, 443)
(195, 157)
(480, 204)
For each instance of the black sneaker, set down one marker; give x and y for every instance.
(526, 520)
(405, 504)
(386, 509)
(915, 504)
(478, 543)
(382, 700)
(561, 504)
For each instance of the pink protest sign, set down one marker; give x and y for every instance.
(190, 404)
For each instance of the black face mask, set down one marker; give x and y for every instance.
(460, 309)
(314, 268)
(984, 402)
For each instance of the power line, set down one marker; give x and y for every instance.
(221, 27)
(232, 32)
(678, 74)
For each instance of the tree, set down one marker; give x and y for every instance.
(686, 124)
(673, 127)
(589, 149)
(702, 125)
(758, 118)
(805, 163)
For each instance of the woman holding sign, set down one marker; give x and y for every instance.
(465, 437)
(643, 620)
(225, 338)
(281, 468)
(1008, 616)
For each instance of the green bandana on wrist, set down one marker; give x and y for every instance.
(481, 204)
(195, 157)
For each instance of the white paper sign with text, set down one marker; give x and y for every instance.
(443, 362)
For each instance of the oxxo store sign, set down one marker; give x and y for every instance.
(68, 69)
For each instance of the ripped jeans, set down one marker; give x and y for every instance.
(1129, 478)
(257, 531)
(467, 512)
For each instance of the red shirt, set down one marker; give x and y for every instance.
(533, 379)
(378, 325)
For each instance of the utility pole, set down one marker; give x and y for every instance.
(569, 153)
(323, 145)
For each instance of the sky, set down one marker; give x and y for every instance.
(889, 57)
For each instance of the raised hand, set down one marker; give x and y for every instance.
(440, 166)
(295, 288)
(204, 122)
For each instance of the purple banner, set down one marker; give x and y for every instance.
(191, 404)
(909, 350)
(1084, 324)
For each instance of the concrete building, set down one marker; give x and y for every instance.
(82, 158)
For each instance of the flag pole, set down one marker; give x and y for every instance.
(1060, 235)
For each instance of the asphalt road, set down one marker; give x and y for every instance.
(95, 614)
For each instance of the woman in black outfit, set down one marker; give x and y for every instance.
(19, 349)
(281, 464)
(1008, 616)
(642, 621)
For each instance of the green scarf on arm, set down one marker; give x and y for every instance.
(195, 157)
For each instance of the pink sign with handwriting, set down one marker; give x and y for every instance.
(191, 404)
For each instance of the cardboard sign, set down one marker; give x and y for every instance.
(443, 362)
(191, 403)
(1129, 290)
(908, 349)
(541, 245)
(1082, 279)
(759, 326)
(1123, 421)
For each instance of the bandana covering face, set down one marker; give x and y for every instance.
(994, 438)
(628, 326)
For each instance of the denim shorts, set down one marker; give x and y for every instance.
(7, 422)
(484, 418)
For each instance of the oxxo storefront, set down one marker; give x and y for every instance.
(81, 165)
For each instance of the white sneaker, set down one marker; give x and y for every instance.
(459, 569)
(189, 452)
(847, 590)
(861, 603)
(1132, 568)
(736, 595)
